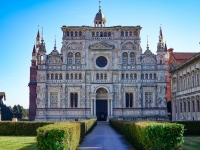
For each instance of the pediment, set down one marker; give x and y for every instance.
(101, 46)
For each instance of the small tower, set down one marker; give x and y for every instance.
(33, 85)
(38, 40)
(160, 46)
(42, 47)
(100, 19)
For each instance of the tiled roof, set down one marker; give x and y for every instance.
(176, 64)
(182, 55)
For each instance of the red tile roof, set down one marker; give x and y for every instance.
(183, 55)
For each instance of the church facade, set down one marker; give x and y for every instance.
(100, 72)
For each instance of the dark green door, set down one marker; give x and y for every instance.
(101, 110)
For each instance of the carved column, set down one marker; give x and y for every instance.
(92, 107)
(108, 107)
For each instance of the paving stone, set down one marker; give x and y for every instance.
(104, 137)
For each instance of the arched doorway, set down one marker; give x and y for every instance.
(101, 104)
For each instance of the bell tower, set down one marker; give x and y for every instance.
(100, 19)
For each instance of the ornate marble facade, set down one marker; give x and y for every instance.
(185, 81)
(100, 63)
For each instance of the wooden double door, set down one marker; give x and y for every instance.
(101, 109)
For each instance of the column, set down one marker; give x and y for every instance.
(111, 107)
(92, 107)
(108, 108)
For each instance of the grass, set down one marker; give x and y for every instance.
(29, 143)
(191, 143)
(17, 143)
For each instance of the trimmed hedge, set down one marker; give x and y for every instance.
(191, 127)
(20, 128)
(151, 135)
(63, 135)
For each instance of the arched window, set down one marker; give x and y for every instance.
(97, 34)
(80, 76)
(52, 76)
(126, 33)
(146, 76)
(67, 33)
(193, 106)
(180, 107)
(105, 76)
(154, 76)
(97, 76)
(80, 33)
(71, 76)
(131, 76)
(127, 76)
(122, 33)
(135, 76)
(130, 33)
(188, 106)
(105, 34)
(76, 33)
(142, 76)
(67, 76)
(125, 58)
(160, 61)
(184, 106)
(122, 76)
(72, 34)
(56, 76)
(101, 34)
(132, 56)
(93, 34)
(150, 76)
(76, 76)
(60, 76)
(78, 58)
(70, 58)
(47, 76)
(101, 76)
(109, 34)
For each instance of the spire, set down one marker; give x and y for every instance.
(42, 48)
(160, 31)
(165, 47)
(42, 36)
(34, 51)
(147, 43)
(38, 38)
(160, 46)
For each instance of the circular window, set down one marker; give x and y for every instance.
(101, 61)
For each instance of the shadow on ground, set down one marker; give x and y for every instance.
(30, 146)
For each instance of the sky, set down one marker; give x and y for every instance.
(19, 20)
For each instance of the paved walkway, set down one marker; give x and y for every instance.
(104, 137)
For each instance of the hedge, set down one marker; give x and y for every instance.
(63, 135)
(20, 128)
(151, 135)
(191, 127)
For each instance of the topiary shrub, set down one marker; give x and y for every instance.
(151, 135)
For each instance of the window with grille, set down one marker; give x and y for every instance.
(148, 99)
(74, 100)
(129, 100)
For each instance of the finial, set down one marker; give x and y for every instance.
(99, 5)
(55, 43)
(147, 43)
(42, 33)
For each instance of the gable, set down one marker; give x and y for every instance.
(101, 46)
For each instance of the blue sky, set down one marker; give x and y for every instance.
(19, 20)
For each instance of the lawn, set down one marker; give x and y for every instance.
(29, 143)
(17, 143)
(191, 143)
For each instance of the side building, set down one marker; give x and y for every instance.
(185, 89)
(100, 72)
